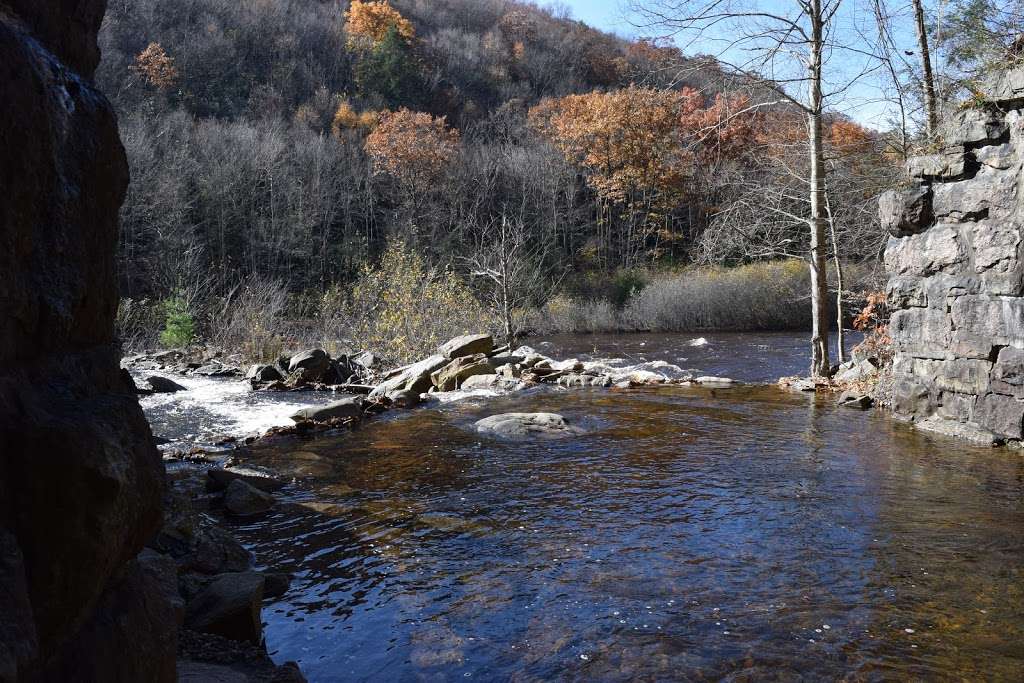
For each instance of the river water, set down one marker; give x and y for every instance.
(690, 534)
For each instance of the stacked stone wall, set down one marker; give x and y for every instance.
(956, 287)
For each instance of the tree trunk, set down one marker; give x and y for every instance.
(820, 363)
(928, 79)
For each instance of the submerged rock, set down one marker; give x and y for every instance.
(519, 425)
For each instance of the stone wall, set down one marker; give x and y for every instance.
(80, 480)
(956, 287)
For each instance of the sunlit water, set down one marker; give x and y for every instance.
(690, 534)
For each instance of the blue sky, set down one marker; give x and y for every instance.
(602, 14)
(863, 102)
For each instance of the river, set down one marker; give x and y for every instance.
(690, 533)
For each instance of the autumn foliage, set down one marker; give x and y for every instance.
(368, 23)
(637, 138)
(156, 67)
(413, 147)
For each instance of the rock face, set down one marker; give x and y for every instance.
(80, 479)
(957, 276)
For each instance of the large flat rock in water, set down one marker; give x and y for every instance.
(526, 425)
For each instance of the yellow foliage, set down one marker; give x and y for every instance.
(368, 22)
(347, 118)
(403, 309)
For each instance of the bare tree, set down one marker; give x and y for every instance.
(509, 267)
(927, 78)
(786, 50)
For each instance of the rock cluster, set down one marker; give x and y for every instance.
(957, 275)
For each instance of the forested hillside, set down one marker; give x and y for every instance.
(289, 140)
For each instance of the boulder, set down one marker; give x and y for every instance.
(404, 399)
(212, 550)
(480, 382)
(467, 345)
(522, 425)
(415, 377)
(162, 385)
(244, 500)
(856, 372)
(907, 211)
(230, 607)
(350, 406)
(276, 584)
(216, 369)
(852, 399)
(451, 376)
(313, 362)
(80, 479)
(264, 373)
(366, 360)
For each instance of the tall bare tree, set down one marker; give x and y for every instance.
(787, 49)
(927, 77)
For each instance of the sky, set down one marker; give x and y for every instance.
(864, 102)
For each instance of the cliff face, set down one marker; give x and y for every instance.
(80, 480)
(956, 284)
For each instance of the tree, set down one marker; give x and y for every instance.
(414, 148)
(156, 67)
(369, 23)
(975, 35)
(508, 265)
(389, 70)
(786, 50)
(641, 149)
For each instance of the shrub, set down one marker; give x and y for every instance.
(760, 296)
(401, 308)
(179, 326)
(252, 320)
(139, 322)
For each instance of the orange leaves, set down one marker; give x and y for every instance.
(626, 139)
(643, 139)
(156, 67)
(413, 147)
(848, 137)
(367, 22)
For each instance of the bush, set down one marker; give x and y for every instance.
(400, 308)
(179, 327)
(760, 296)
(139, 322)
(252, 320)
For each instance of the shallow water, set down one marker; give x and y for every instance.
(697, 534)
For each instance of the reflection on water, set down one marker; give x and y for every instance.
(741, 534)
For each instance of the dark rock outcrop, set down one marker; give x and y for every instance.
(956, 284)
(80, 479)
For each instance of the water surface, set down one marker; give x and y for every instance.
(696, 534)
